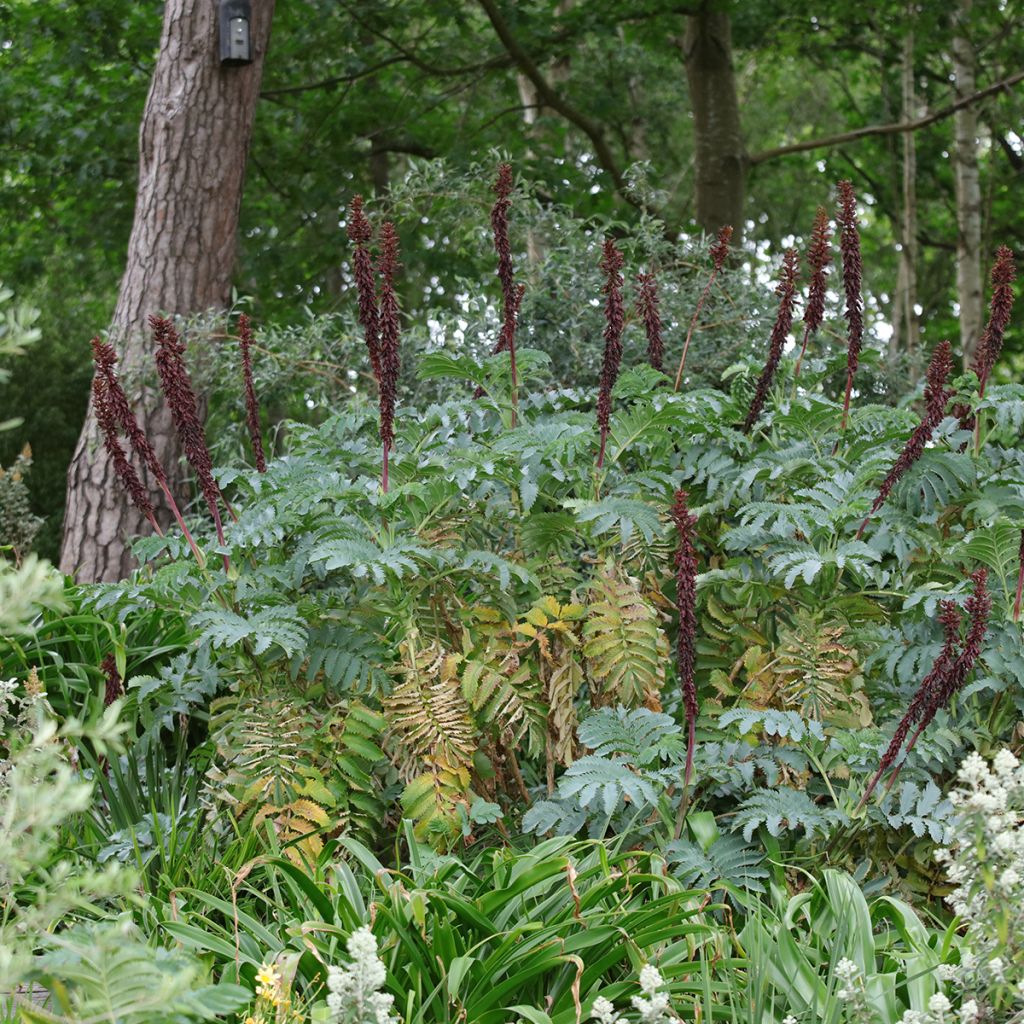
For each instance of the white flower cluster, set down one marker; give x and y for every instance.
(652, 1006)
(986, 862)
(354, 995)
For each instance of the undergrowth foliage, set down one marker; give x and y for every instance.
(352, 719)
(481, 627)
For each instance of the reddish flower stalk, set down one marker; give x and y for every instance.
(849, 246)
(114, 686)
(1020, 580)
(360, 233)
(181, 400)
(719, 252)
(979, 608)
(106, 361)
(786, 291)
(950, 618)
(819, 256)
(647, 310)
(123, 469)
(936, 394)
(512, 295)
(1000, 307)
(686, 606)
(252, 407)
(614, 316)
(990, 345)
(389, 332)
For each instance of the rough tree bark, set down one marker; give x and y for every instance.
(968, 190)
(193, 143)
(721, 156)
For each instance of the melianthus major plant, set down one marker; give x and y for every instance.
(448, 639)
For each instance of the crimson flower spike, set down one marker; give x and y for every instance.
(614, 316)
(991, 342)
(252, 406)
(389, 333)
(1000, 307)
(849, 247)
(181, 400)
(512, 294)
(950, 618)
(114, 686)
(979, 608)
(106, 361)
(123, 469)
(719, 253)
(647, 310)
(686, 606)
(360, 233)
(936, 394)
(786, 291)
(819, 256)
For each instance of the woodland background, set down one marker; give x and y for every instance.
(698, 114)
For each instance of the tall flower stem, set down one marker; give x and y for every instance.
(106, 362)
(512, 294)
(719, 252)
(990, 345)
(950, 618)
(979, 608)
(647, 310)
(389, 321)
(252, 407)
(360, 233)
(786, 293)
(685, 562)
(819, 256)
(937, 394)
(181, 399)
(849, 246)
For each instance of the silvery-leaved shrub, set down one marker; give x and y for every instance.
(354, 995)
(986, 862)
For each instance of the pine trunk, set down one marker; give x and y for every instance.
(907, 313)
(968, 191)
(193, 143)
(721, 157)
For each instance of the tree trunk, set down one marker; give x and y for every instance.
(968, 191)
(193, 143)
(721, 157)
(906, 317)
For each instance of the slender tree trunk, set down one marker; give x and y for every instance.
(968, 190)
(907, 311)
(721, 156)
(193, 143)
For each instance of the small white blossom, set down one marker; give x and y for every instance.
(1005, 763)
(946, 972)
(353, 991)
(650, 979)
(939, 1003)
(603, 1011)
(968, 1011)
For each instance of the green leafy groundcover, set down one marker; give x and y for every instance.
(449, 711)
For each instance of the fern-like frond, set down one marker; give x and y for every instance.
(625, 646)
(784, 810)
(727, 860)
(426, 712)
